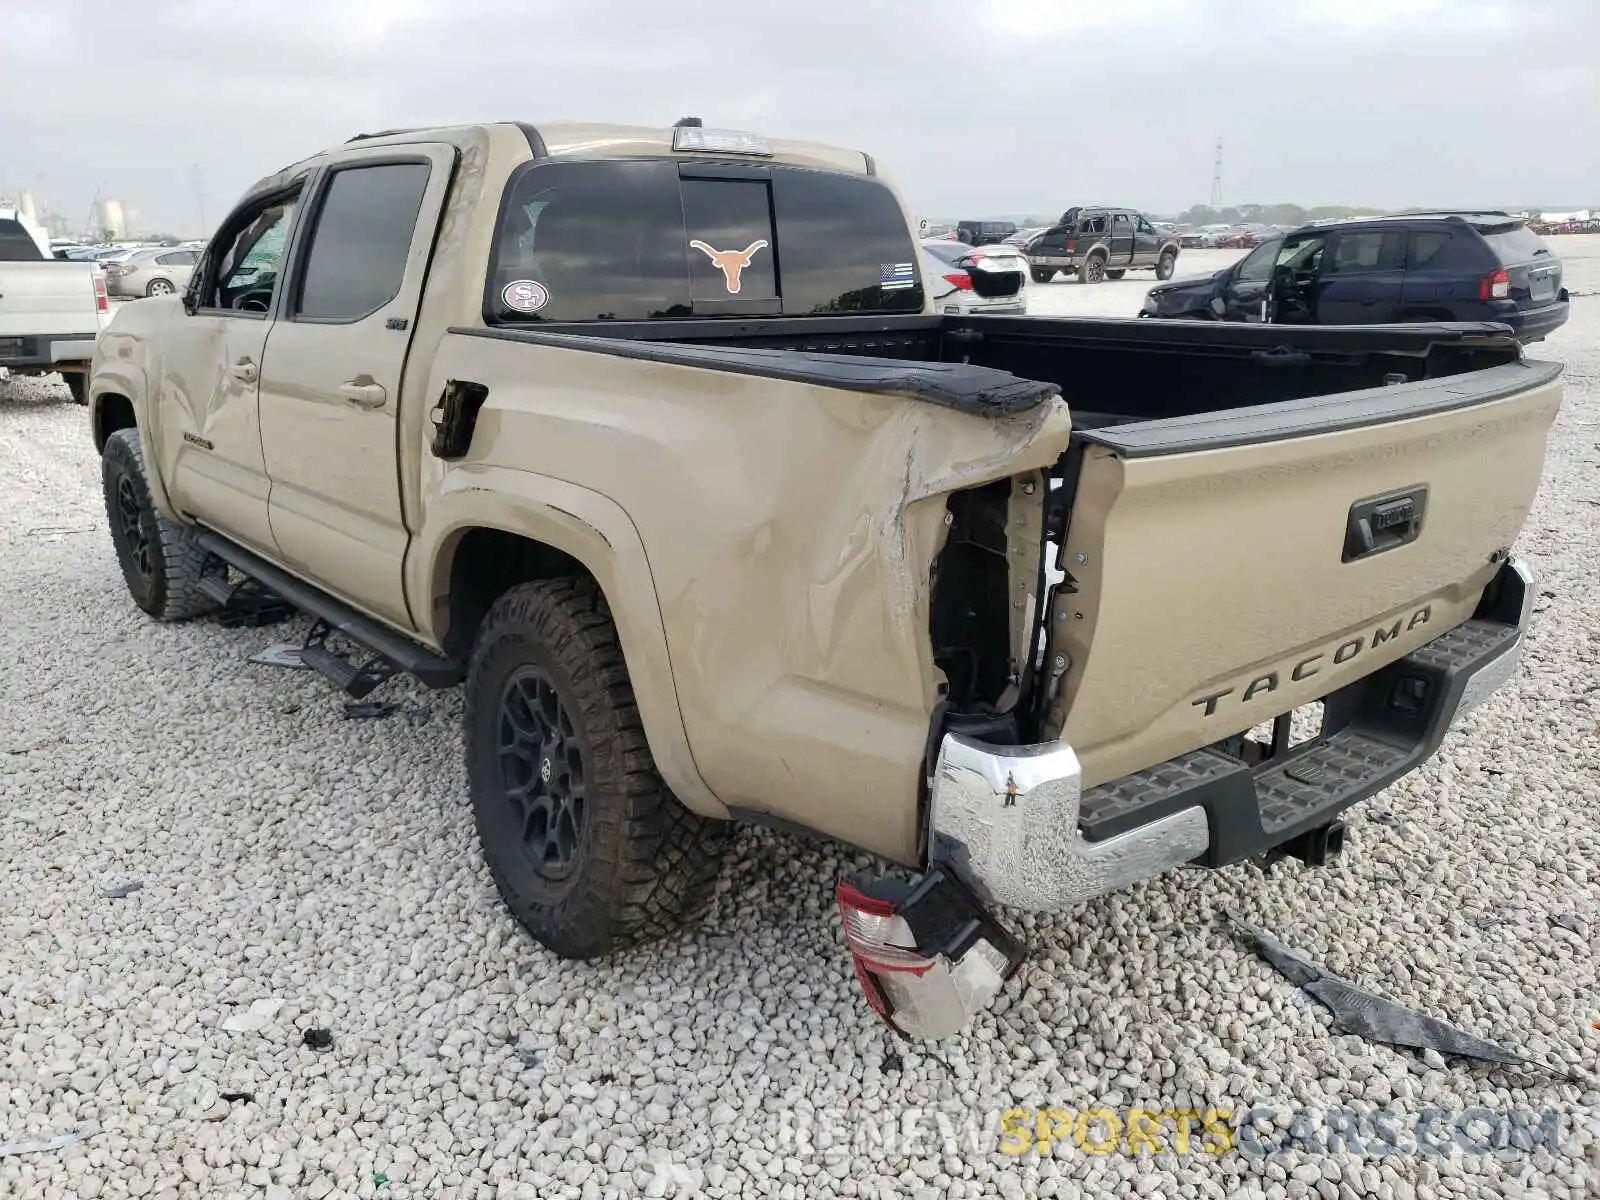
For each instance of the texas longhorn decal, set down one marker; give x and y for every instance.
(730, 262)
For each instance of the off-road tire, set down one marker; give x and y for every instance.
(1117, 274)
(78, 384)
(1166, 264)
(1041, 275)
(1093, 269)
(644, 865)
(164, 573)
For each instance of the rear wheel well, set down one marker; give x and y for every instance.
(113, 412)
(488, 563)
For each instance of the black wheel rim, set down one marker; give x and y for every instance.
(130, 517)
(542, 770)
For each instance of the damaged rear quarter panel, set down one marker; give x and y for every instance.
(790, 529)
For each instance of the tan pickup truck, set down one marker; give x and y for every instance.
(649, 437)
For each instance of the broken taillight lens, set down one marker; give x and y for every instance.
(926, 954)
(960, 280)
(100, 303)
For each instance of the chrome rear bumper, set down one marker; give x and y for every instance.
(1017, 825)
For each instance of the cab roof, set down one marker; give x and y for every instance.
(576, 139)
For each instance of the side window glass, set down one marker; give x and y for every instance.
(1363, 253)
(1425, 248)
(1144, 226)
(1119, 225)
(251, 260)
(1257, 267)
(729, 228)
(1301, 258)
(361, 241)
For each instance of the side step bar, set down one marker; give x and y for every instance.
(433, 669)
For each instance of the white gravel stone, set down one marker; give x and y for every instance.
(300, 870)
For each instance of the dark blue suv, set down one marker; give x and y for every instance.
(1430, 266)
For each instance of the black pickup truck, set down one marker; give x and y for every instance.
(1099, 244)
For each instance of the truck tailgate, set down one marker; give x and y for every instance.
(1224, 569)
(54, 297)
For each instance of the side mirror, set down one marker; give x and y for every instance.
(1219, 306)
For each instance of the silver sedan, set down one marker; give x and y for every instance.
(159, 271)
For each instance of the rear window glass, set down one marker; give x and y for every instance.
(1515, 245)
(15, 243)
(631, 241)
(729, 223)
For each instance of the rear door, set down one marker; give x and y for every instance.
(1362, 278)
(1121, 241)
(330, 385)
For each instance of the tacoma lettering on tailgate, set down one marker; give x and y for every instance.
(1267, 682)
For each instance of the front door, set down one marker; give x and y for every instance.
(330, 386)
(207, 403)
(1363, 278)
(1121, 242)
(1244, 296)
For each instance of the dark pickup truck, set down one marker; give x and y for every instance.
(1376, 271)
(1099, 244)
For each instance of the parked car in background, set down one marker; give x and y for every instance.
(1381, 270)
(158, 272)
(50, 310)
(967, 279)
(1023, 236)
(1100, 244)
(984, 233)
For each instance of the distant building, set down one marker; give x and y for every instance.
(28, 208)
(112, 221)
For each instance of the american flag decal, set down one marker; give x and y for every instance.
(896, 277)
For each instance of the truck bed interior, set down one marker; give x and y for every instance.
(1134, 370)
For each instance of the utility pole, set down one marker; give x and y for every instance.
(1216, 178)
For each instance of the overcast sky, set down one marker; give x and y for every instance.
(973, 107)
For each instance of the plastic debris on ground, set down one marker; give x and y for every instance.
(280, 654)
(1373, 1017)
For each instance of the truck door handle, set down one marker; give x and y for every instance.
(244, 370)
(364, 393)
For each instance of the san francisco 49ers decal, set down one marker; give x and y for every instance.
(730, 262)
(524, 295)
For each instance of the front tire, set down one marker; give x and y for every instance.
(161, 560)
(1166, 264)
(589, 849)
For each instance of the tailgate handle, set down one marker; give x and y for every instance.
(1383, 522)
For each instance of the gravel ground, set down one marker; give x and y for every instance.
(297, 870)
